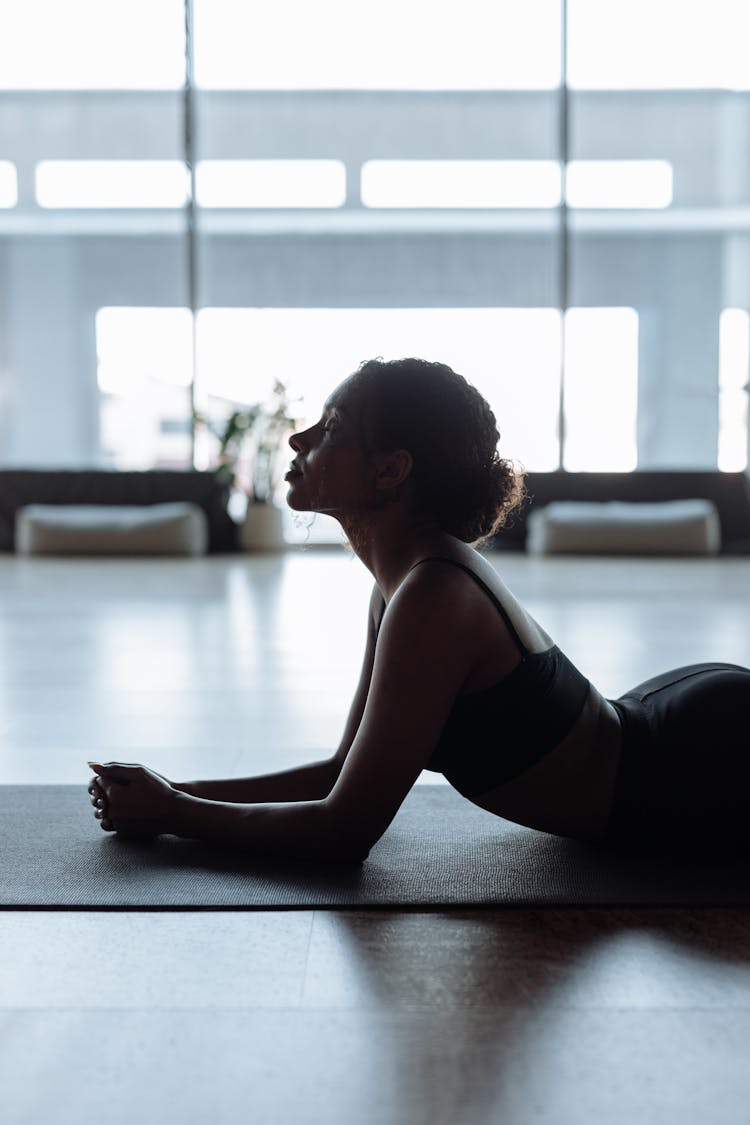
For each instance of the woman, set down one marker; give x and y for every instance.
(457, 677)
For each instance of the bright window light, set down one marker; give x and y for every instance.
(511, 355)
(671, 44)
(144, 371)
(460, 183)
(8, 184)
(271, 183)
(92, 44)
(337, 44)
(141, 345)
(601, 389)
(619, 183)
(734, 380)
(111, 183)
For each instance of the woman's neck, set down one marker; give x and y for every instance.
(390, 542)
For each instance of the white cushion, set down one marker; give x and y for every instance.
(673, 527)
(102, 529)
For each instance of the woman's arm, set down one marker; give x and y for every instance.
(423, 656)
(139, 802)
(312, 781)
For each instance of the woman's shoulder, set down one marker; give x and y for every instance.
(441, 579)
(457, 579)
(430, 599)
(468, 587)
(441, 605)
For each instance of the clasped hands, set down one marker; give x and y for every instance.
(132, 799)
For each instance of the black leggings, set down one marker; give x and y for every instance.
(684, 776)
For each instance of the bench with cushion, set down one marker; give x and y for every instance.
(671, 527)
(728, 492)
(20, 488)
(179, 528)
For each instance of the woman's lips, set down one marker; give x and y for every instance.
(292, 473)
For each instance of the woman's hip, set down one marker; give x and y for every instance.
(685, 760)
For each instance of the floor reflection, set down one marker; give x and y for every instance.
(511, 995)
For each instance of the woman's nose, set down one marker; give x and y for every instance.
(300, 442)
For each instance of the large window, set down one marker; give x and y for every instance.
(381, 179)
(91, 45)
(659, 44)
(92, 184)
(388, 45)
(511, 355)
(144, 369)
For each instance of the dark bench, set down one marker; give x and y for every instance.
(19, 487)
(730, 492)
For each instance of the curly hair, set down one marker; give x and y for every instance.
(450, 431)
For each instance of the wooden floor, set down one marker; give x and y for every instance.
(237, 665)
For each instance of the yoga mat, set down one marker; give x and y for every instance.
(440, 851)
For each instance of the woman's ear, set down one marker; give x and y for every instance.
(392, 470)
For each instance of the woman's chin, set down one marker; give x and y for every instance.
(299, 503)
(296, 502)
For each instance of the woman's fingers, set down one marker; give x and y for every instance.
(116, 769)
(97, 795)
(101, 813)
(98, 799)
(97, 790)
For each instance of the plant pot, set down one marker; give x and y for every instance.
(263, 528)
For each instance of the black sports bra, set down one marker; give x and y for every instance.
(492, 736)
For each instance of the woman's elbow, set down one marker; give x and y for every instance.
(353, 856)
(346, 841)
(346, 847)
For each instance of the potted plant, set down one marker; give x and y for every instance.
(251, 457)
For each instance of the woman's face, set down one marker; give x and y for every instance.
(331, 471)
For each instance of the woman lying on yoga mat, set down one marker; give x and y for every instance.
(457, 676)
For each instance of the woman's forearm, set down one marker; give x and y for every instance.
(312, 782)
(303, 830)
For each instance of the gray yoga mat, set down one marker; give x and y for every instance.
(439, 851)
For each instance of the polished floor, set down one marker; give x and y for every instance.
(236, 665)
